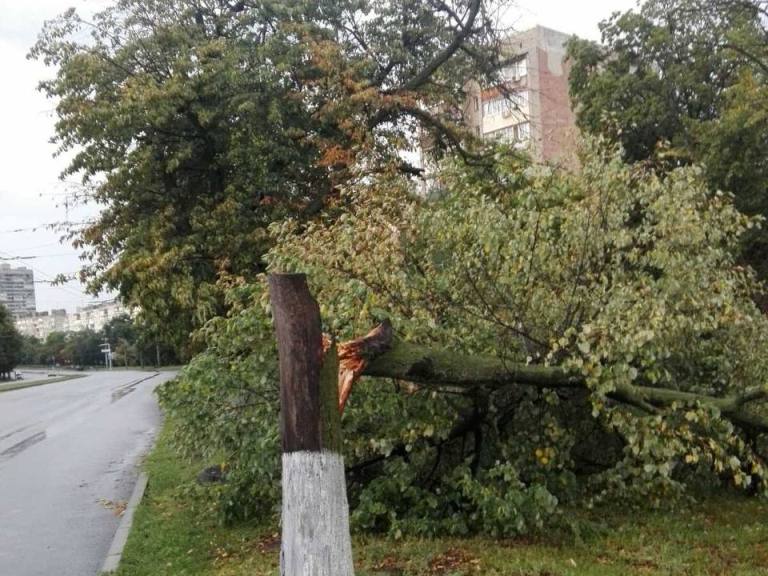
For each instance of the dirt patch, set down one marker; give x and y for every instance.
(390, 565)
(454, 560)
(269, 543)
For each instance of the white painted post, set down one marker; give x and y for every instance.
(315, 513)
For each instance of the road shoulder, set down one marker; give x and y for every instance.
(115, 553)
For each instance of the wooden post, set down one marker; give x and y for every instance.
(315, 512)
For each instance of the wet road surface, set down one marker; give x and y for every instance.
(68, 456)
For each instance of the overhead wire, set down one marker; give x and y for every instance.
(45, 225)
(51, 280)
(35, 257)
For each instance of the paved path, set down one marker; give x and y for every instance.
(68, 452)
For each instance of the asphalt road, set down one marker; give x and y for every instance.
(68, 456)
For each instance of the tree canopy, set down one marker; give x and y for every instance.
(197, 123)
(683, 81)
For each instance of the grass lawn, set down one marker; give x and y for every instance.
(175, 534)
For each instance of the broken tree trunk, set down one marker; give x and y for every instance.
(315, 512)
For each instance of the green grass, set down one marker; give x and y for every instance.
(18, 385)
(175, 533)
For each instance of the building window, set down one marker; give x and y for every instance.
(505, 105)
(516, 134)
(494, 106)
(516, 71)
(522, 132)
(504, 134)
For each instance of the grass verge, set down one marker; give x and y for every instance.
(175, 534)
(18, 385)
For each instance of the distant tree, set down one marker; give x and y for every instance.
(84, 348)
(10, 344)
(32, 350)
(120, 328)
(123, 335)
(54, 348)
(198, 123)
(685, 81)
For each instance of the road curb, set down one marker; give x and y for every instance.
(124, 529)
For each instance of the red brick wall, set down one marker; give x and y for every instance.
(557, 119)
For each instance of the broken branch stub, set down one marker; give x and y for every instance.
(355, 355)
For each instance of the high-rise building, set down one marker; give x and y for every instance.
(532, 109)
(17, 289)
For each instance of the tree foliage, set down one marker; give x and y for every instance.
(616, 275)
(10, 343)
(681, 81)
(197, 123)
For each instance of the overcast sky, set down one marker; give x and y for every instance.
(31, 194)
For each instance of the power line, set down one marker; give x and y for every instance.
(46, 245)
(52, 280)
(36, 256)
(48, 225)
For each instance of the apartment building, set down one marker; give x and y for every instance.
(17, 289)
(95, 316)
(92, 317)
(532, 109)
(40, 324)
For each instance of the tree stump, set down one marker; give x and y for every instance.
(315, 513)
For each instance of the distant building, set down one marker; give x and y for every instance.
(533, 110)
(92, 317)
(17, 289)
(40, 324)
(95, 316)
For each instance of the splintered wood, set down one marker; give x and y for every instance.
(355, 355)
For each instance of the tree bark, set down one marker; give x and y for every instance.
(315, 513)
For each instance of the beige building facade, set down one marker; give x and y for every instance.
(92, 317)
(532, 109)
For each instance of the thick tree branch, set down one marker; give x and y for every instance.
(380, 354)
(462, 33)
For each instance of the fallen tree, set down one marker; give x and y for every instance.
(541, 339)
